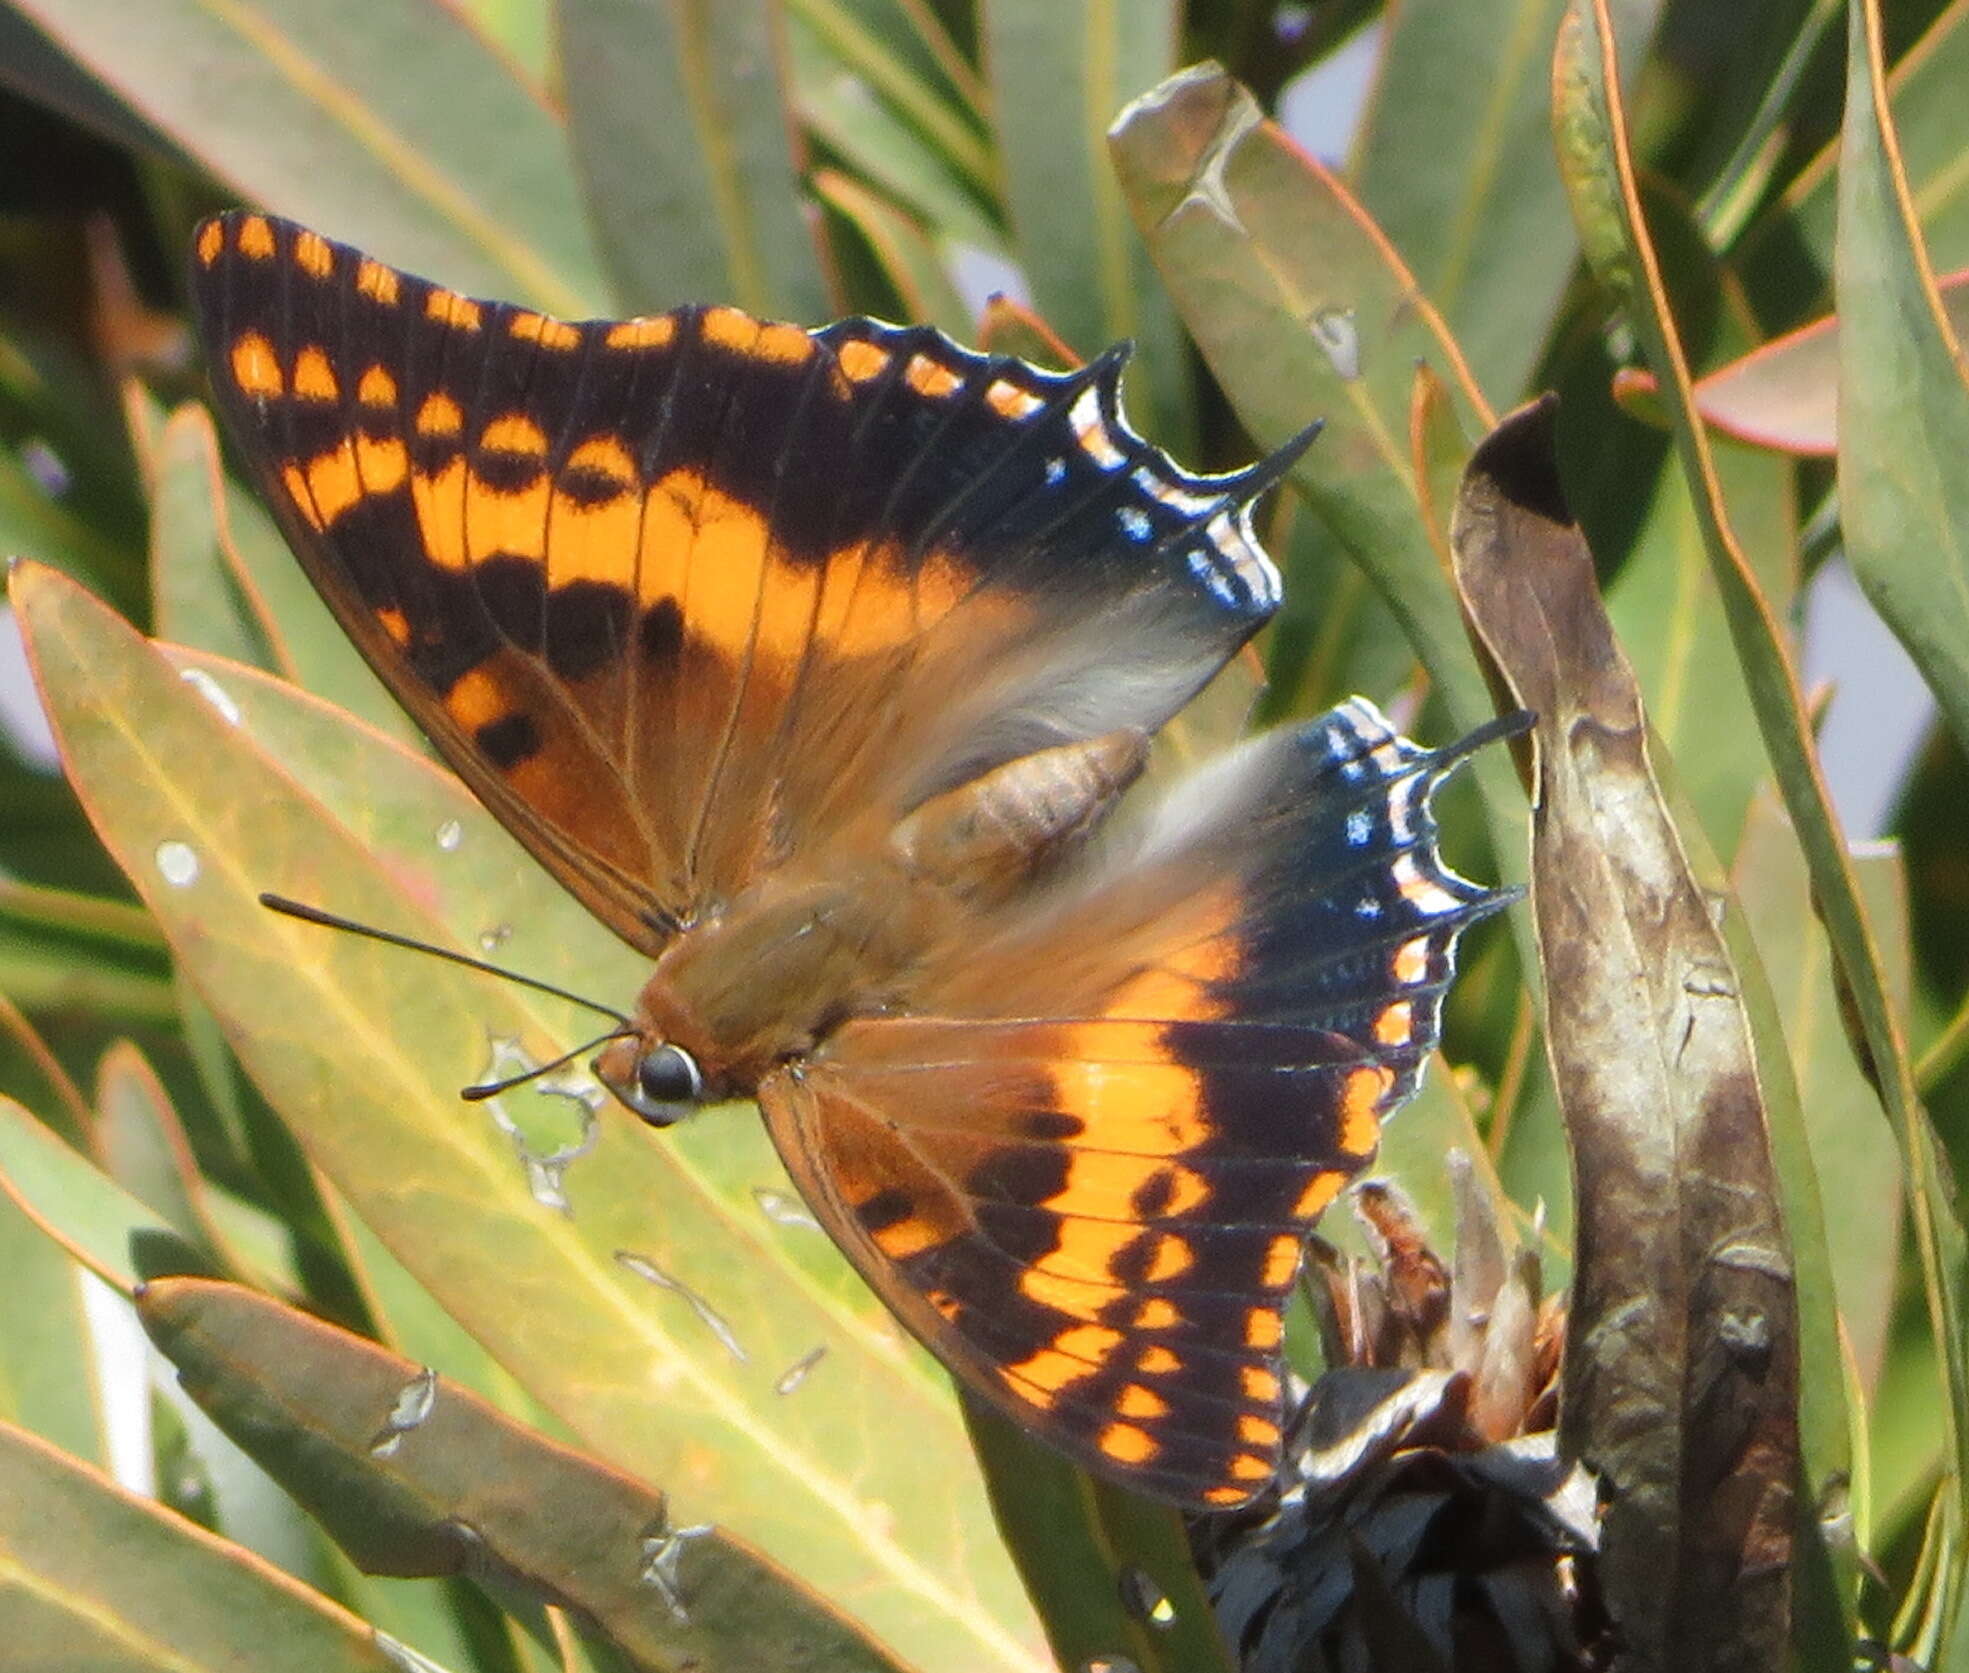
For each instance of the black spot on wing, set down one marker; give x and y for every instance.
(514, 593)
(587, 627)
(1019, 1173)
(506, 471)
(1151, 1199)
(451, 633)
(586, 486)
(1051, 1124)
(885, 1209)
(661, 634)
(508, 741)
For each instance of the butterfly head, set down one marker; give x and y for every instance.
(657, 1080)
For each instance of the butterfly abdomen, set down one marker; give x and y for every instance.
(986, 840)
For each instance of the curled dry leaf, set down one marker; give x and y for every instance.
(1680, 1388)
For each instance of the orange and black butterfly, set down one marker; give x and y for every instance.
(816, 664)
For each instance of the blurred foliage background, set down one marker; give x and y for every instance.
(194, 1093)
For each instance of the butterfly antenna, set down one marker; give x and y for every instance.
(492, 1089)
(331, 920)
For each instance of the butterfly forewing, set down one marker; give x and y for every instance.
(682, 596)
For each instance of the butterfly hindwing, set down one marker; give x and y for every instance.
(1095, 1212)
(684, 595)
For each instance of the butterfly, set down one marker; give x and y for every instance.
(817, 664)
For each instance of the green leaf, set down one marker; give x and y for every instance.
(196, 599)
(1664, 601)
(626, 1310)
(1903, 411)
(46, 1363)
(416, 1477)
(35, 67)
(1304, 313)
(1454, 163)
(1847, 1129)
(1595, 123)
(1111, 1572)
(174, 1597)
(683, 139)
(63, 951)
(72, 1202)
(1787, 255)
(36, 526)
(522, 29)
(391, 124)
(855, 98)
(908, 257)
(141, 1145)
(1058, 76)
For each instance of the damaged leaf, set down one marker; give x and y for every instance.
(1681, 1386)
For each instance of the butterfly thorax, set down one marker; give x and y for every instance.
(761, 981)
(764, 980)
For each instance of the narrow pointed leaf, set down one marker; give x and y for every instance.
(626, 1309)
(1058, 76)
(1903, 404)
(683, 139)
(416, 1477)
(328, 113)
(174, 1598)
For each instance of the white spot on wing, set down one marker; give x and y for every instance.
(1172, 494)
(1090, 428)
(1401, 811)
(1425, 894)
(1204, 567)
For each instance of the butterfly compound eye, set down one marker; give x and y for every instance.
(667, 1085)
